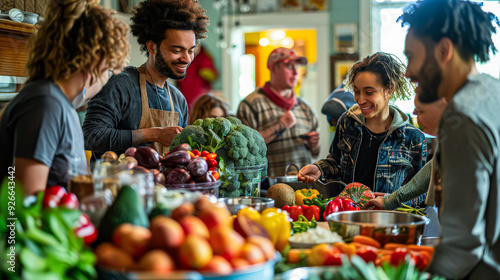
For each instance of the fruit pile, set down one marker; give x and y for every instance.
(197, 236)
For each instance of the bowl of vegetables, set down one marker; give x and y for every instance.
(383, 226)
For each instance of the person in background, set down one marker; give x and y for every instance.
(73, 53)
(444, 40)
(287, 123)
(208, 106)
(337, 103)
(428, 116)
(139, 107)
(374, 144)
(199, 77)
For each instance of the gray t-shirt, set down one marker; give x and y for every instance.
(41, 123)
(116, 111)
(469, 144)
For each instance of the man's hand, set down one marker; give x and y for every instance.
(167, 134)
(377, 202)
(309, 174)
(288, 119)
(313, 141)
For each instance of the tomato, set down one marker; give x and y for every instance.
(204, 153)
(212, 156)
(211, 162)
(216, 175)
(368, 253)
(196, 153)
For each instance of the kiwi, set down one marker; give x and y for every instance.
(282, 194)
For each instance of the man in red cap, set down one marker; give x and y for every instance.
(287, 123)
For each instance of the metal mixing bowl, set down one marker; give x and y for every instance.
(234, 204)
(383, 226)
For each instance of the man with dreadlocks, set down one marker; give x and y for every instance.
(138, 106)
(444, 39)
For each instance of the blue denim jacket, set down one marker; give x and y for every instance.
(401, 155)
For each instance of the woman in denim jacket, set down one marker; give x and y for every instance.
(374, 143)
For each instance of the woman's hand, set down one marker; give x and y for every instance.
(377, 202)
(309, 174)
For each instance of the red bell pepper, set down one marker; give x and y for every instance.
(338, 205)
(311, 211)
(294, 211)
(86, 230)
(53, 196)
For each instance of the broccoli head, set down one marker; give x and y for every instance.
(208, 123)
(234, 121)
(196, 133)
(236, 145)
(221, 126)
(198, 122)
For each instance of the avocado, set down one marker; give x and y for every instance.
(125, 209)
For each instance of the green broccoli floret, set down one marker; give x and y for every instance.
(236, 145)
(196, 133)
(208, 123)
(198, 122)
(233, 120)
(224, 193)
(221, 126)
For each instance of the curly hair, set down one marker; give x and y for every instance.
(74, 36)
(203, 106)
(152, 17)
(388, 68)
(463, 22)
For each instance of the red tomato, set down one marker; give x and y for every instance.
(212, 156)
(204, 153)
(211, 162)
(196, 153)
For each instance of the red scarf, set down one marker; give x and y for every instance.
(282, 102)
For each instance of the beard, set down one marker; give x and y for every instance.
(165, 69)
(431, 78)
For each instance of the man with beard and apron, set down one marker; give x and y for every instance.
(153, 117)
(138, 107)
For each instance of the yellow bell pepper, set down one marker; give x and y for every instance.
(251, 213)
(304, 193)
(278, 226)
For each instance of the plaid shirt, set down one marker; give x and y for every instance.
(400, 156)
(259, 112)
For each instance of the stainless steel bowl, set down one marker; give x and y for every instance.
(234, 204)
(383, 226)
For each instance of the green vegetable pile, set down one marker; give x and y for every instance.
(236, 145)
(45, 245)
